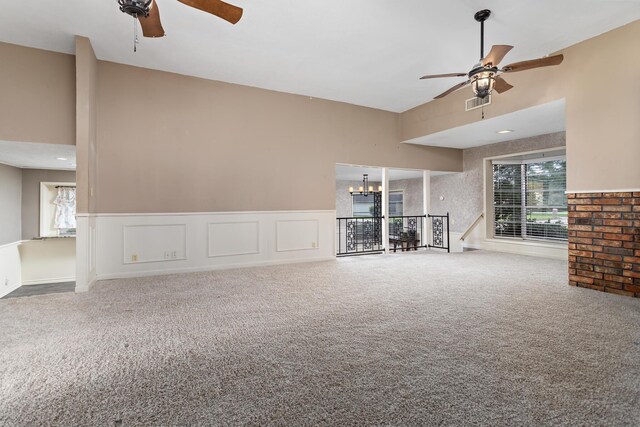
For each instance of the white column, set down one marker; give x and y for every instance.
(426, 202)
(385, 209)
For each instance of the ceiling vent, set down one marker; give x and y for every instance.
(475, 102)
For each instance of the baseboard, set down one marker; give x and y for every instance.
(147, 273)
(543, 250)
(45, 281)
(472, 246)
(86, 288)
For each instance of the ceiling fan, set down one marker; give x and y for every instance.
(146, 11)
(485, 75)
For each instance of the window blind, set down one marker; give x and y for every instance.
(529, 199)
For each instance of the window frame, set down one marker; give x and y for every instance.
(401, 192)
(548, 154)
(47, 210)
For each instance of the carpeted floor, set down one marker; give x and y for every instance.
(407, 339)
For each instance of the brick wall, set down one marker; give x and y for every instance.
(604, 242)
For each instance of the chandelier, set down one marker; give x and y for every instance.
(365, 189)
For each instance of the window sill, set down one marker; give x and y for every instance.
(554, 245)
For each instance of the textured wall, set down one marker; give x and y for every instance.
(10, 196)
(463, 192)
(412, 198)
(31, 179)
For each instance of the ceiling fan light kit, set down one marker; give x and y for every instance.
(485, 76)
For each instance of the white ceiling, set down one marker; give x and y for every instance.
(35, 155)
(354, 173)
(538, 120)
(364, 52)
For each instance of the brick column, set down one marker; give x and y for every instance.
(604, 242)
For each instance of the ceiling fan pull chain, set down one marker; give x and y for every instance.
(135, 33)
(483, 109)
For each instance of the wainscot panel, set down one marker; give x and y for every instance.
(131, 245)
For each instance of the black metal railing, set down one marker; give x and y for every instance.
(439, 231)
(407, 232)
(359, 235)
(363, 235)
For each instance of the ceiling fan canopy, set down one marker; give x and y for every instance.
(485, 76)
(148, 14)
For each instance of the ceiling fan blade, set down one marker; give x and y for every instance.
(435, 76)
(453, 89)
(533, 63)
(501, 85)
(496, 54)
(151, 26)
(223, 10)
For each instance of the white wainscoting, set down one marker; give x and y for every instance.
(234, 238)
(208, 241)
(10, 268)
(86, 251)
(297, 234)
(154, 243)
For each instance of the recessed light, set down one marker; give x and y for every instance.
(505, 131)
(61, 158)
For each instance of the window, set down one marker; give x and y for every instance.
(529, 200)
(363, 206)
(395, 203)
(57, 209)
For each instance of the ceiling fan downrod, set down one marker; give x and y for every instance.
(482, 16)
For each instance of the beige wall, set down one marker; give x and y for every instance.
(31, 179)
(170, 143)
(86, 124)
(10, 199)
(599, 80)
(37, 101)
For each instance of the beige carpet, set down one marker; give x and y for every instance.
(421, 338)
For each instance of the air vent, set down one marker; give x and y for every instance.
(473, 103)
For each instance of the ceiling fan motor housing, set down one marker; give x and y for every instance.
(135, 8)
(483, 80)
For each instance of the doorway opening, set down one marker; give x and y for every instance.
(382, 210)
(37, 191)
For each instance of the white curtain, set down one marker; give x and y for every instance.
(65, 208)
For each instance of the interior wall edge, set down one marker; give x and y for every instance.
(10, 268)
